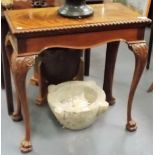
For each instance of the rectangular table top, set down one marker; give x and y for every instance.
(48, 19)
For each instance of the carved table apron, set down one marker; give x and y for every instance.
(22, 49)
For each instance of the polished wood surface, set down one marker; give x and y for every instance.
(48, 19)
(22, 49)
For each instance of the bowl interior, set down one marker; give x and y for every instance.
(74, 96)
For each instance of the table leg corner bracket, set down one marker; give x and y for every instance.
(23, 62)
(139, 48)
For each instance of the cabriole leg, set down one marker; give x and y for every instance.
(20, 67)
(140, 50)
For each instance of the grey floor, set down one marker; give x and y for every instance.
(107, 136)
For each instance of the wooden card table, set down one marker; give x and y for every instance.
(33, 30)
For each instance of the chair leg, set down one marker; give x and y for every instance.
(41, 99)
(87, 61)
(35, 78)
(111, 55)
(150, 49)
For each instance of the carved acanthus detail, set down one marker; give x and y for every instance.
(139, 48)
(30, 61)
(21, 64)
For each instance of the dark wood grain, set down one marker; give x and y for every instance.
(6, 76)
(87, 61)
(2, 76)
(111, 55)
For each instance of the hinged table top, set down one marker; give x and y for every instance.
(48, 19)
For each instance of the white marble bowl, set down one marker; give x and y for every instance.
(76, 104)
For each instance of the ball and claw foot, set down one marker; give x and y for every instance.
(111, 101)
(17, 117)
(25, 146)
(40, 101)
(131, 126)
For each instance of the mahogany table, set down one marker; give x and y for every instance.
(33, 30)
